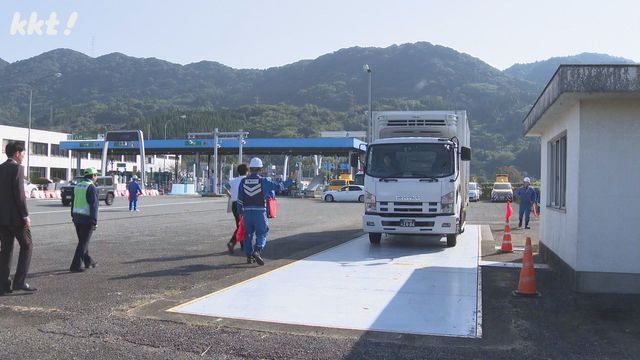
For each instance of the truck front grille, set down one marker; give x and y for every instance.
(407, 207)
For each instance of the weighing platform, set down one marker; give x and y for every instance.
(413, 285)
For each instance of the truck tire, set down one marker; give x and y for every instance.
(109, 199)
(452, 239)
(374, 238)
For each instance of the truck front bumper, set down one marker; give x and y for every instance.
(438, 225)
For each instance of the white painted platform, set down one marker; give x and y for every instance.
(410, 285)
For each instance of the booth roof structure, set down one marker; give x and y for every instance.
(228, 146)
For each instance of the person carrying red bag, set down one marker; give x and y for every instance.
(234, 185)
(252, 195)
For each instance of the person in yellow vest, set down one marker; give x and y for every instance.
(84, 212)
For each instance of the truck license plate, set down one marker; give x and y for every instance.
(67, 197)
(407, 223)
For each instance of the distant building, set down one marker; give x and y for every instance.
(588, 120)
(46, 160)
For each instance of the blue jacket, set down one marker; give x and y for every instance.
(527, 196)
(134, 189)
(253, 191)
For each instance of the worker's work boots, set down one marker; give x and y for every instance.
(256, 256)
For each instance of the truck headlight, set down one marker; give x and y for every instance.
(446, 202)
(369, 201)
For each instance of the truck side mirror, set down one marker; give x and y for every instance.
(354, 160)
(465, 153)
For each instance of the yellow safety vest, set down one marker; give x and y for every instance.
(80, 204)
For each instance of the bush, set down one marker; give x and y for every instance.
(41, 181)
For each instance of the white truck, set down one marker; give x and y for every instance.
(416, 174)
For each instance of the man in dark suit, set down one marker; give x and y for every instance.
(14, 221)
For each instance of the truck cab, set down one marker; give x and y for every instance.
(416, 175)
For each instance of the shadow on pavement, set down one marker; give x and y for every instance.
(292, 247)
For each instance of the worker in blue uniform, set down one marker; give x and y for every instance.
(527, 196)
(134, 190)
(252, 195)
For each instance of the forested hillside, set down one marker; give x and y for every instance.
(297, 100)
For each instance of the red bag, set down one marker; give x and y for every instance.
(240, 234)
(272, 207)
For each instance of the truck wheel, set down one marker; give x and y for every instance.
(328, 198)
(66, 202)
(452, 239)
(375, 238)
(361, 198)
(109, 199)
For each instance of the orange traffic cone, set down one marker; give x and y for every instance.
(527, 284)
(506, 240)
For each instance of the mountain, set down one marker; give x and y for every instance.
(132, 88)
(3, 63)
(300, 99)
(540, 72)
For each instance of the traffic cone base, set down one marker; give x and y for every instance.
(506, 247)
(527, 284)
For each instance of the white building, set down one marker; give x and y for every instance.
(45, 157)
(588, 119)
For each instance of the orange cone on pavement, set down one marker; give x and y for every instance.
(527, 284)
(506, 240)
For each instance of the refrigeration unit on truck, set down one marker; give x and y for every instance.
(416, 174)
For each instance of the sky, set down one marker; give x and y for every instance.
(266, 33)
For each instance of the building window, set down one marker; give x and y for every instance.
(6, 142)
(37, 172)
(557, 166)
(39, 149)
(83, 154)
(130, 158)
(58, 174)
(55, 151)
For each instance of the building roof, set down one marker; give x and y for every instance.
(253, 146)
(571, 83)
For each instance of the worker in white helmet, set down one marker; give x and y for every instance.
(252, 195)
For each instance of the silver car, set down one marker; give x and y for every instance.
(474, 191)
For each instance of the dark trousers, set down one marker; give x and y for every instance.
(81, 255)
(23, 235)
(133, 201)
(234, 210)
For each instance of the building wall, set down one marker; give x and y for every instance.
(558, 228)
(52, 160)
(609, 192)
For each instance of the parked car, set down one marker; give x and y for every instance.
(337, 184)
(105, 184)
(502, 191)
(30, 189)
(474, 191)
(346, 193)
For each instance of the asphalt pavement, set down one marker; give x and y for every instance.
(174, 250)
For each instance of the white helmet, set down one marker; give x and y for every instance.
(527, 180)
(255, 163)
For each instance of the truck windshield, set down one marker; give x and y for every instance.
(410, 160)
